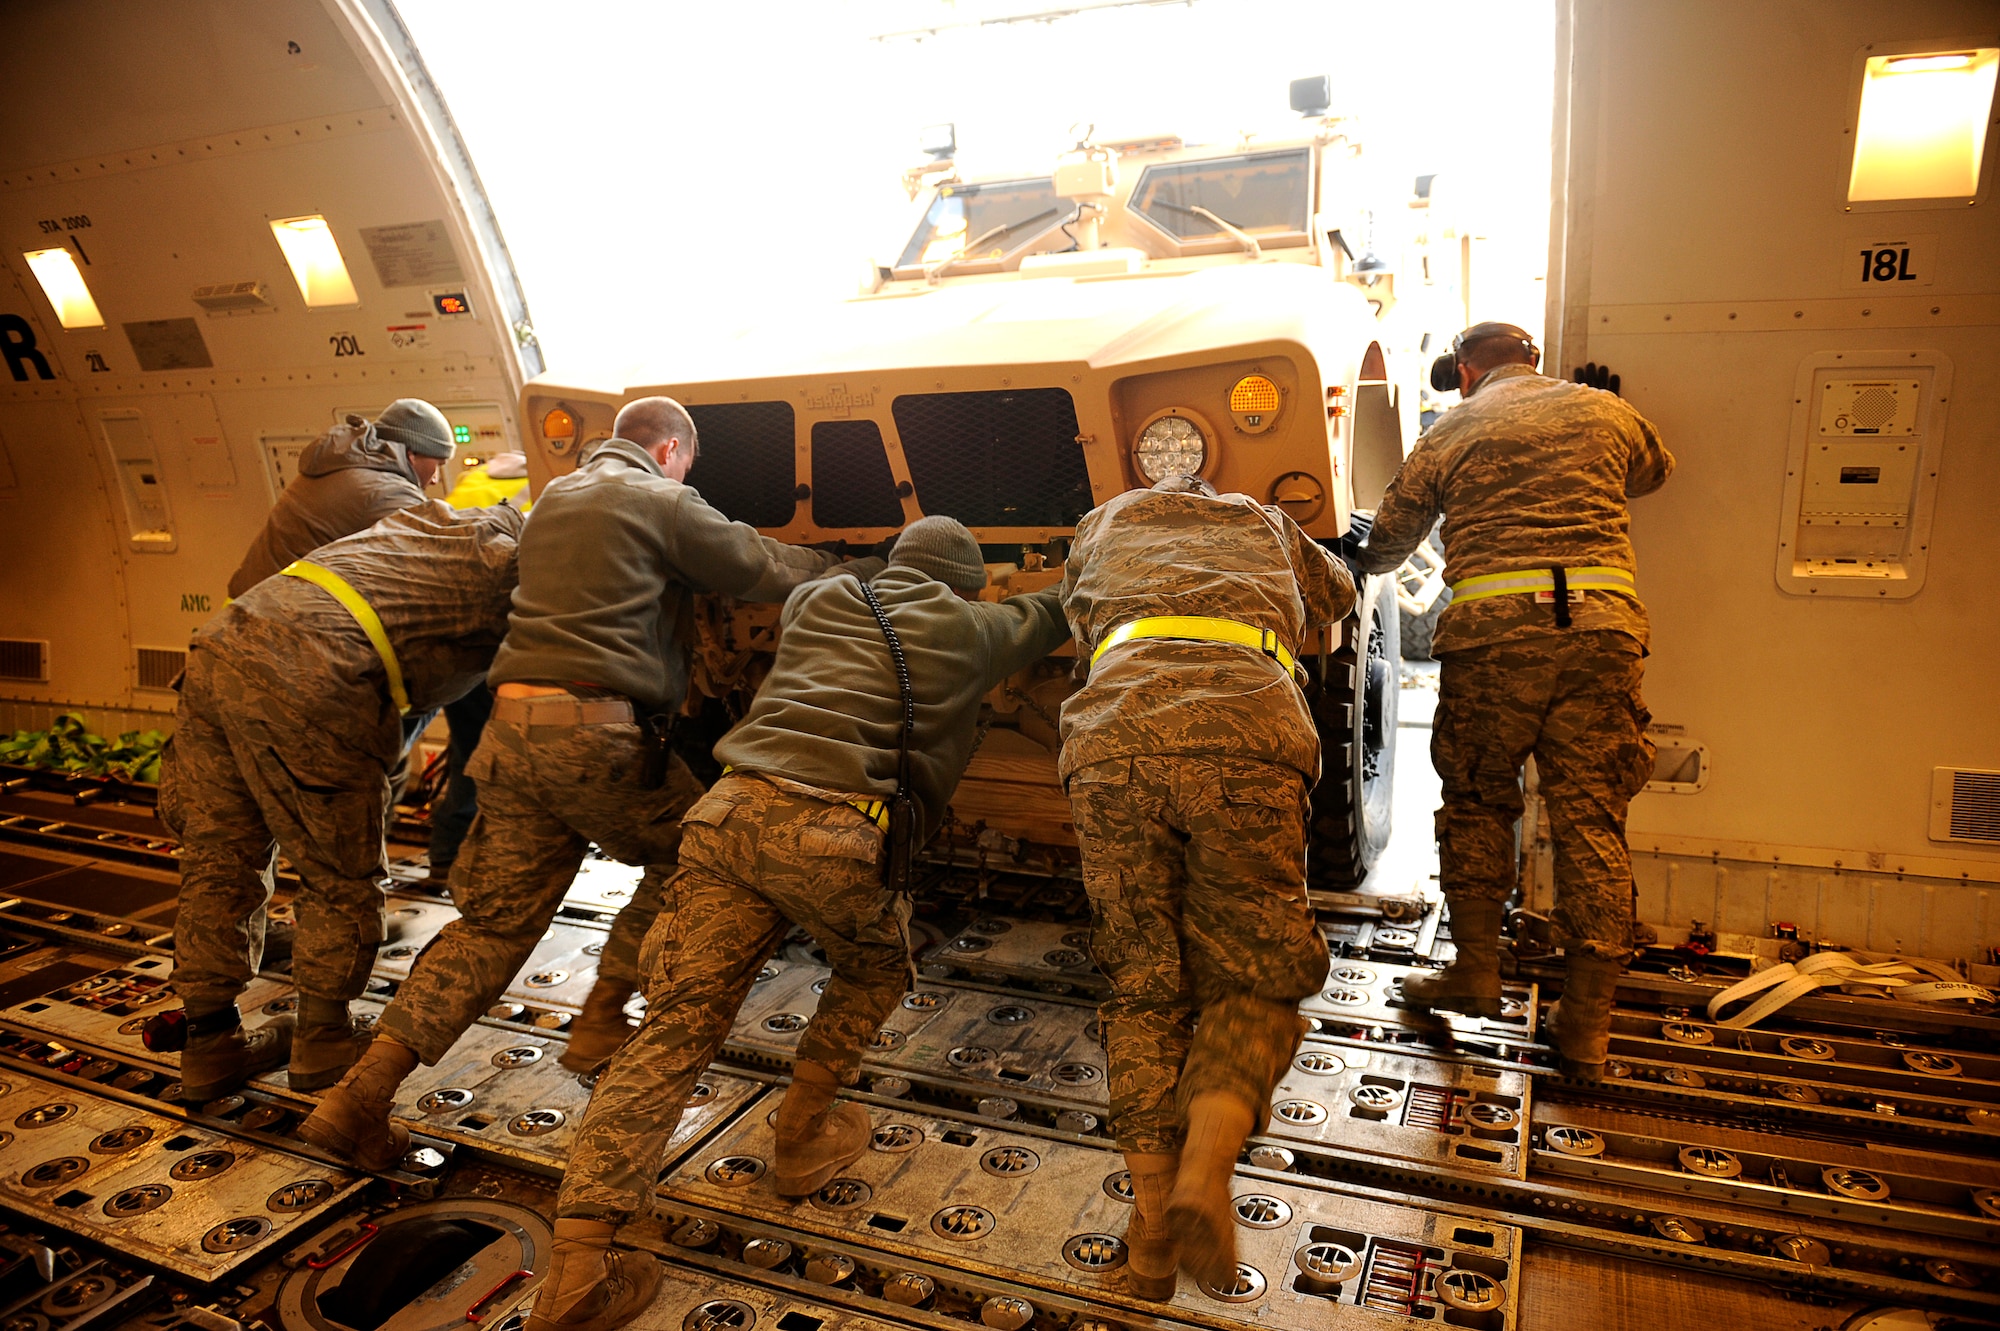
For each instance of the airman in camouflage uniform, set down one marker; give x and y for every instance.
(1532, 476)
(586, 684)
(285, 732)
(793, 834)
(1188, 764)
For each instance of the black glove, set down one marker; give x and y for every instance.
(1594, 375)
(1348, 547)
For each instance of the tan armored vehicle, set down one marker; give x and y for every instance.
(1038, 345)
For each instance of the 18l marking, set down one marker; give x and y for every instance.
(1887, 265)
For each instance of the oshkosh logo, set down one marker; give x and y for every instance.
(836, 400)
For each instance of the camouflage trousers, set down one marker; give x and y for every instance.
(1195, 866)
(545, 793)
(620, 959)
(241, 778)
(757, 859)
(1573, 702)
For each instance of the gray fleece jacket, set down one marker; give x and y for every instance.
(348, 481)
(610, 554)
(830, 712)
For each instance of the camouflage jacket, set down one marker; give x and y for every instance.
(348, 480)
(829, 713)
(1148, 553)
(1529, 472)
(439, 578)
(607, 564)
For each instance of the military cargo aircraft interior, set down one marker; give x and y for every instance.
(254, 296)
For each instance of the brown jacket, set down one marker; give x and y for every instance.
(348, 481)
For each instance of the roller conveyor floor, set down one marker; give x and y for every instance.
(1413, 1171)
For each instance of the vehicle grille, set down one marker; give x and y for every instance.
(851, 482)
(746, 467)
(1005, 459)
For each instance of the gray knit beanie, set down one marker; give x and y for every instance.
(417, 426)
(943, 548)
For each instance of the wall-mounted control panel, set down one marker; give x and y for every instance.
(1861, 474)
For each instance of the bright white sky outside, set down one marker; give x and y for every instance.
(667, 173)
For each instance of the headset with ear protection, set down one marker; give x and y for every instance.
(1444, 370)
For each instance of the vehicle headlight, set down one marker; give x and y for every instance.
(1170, 444)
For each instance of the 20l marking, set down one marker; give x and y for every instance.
(1886, 265)
(344, 344)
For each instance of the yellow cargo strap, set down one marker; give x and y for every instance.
(875, 811)
(364, 614)
(1199, 628)
(1542, 580)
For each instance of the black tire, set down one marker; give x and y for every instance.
(1355, 710)
(1419, 630)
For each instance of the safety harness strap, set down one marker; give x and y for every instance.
(1199, 628)
(364, 614)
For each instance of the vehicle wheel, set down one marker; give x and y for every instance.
(1355, 710)
(1418, 630)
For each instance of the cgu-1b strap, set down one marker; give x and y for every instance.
(1561, 577)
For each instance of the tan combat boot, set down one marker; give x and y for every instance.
(1151, 1255)
(1202, 1212)
(817, 1135)
(220, 1056)
(1580, 1021)
(352, 1120)
(326, 1044)
(1471, 983)
(592, 1286)
(600, 1029)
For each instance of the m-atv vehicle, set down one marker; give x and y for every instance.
(1038, 346)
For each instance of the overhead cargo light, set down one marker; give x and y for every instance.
(315, 260)
(1922, 128)
(62, 282)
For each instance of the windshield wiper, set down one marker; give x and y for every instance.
(971, 251)
(1249, 242)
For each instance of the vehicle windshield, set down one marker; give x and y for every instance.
(1000, 215)
(1254, 192)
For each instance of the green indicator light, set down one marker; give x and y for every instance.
(462, 433)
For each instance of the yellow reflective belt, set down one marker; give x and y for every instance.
(364, 614)
(1199, 628)
(875, 811)
(1541, 580)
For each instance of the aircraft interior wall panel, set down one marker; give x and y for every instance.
(1824, 716)
(153, 237)
(60, 547)
(231, 65)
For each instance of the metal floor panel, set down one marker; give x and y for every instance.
(1048, 1213)
(1565, 1289)
(127, 893)
(1406, 1106)
(505, 1092)
(1053, 956)
(173, 1194)
(1364, 993)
